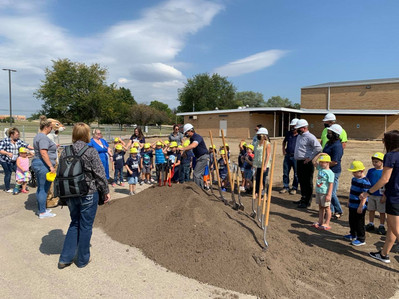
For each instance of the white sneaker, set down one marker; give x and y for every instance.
(47, 211)
(142, 182)
(242, 188)
(9, 191)
(46, 215)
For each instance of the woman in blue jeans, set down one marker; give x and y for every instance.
(43, 162)
(83, 209)
(334, 148)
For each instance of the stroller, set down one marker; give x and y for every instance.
(32, 182)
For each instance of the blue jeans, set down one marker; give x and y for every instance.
(335, 204)
(82, 211)
(289, 162)
(118, 174)
(40, 168)
(9, 168)
(184, 173)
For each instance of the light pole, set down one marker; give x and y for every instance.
(9, 89)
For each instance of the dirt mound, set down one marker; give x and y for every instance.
(196, 235)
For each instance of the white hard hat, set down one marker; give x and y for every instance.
(329, 117)
(187, 127)
(262, 131)
(294, 122)
(301, 123)
(335, 128)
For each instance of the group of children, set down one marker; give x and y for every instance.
(361, 182)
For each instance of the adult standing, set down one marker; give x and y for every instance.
(335, 150)
(255, 138)
(262, 140)
(137, 136)
(83, 209)
(306, 148)
(200, 151)
(43, 162)
(330, 119)
(289, 143)
(9, 148)
(176, 135)
(102, 147)
(389, 179)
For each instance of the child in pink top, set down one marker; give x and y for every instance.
(22, 175)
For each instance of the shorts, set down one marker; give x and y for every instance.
(392, 208)
(242, 169)
(133, 180)
(248, 174)
(22, 176)
(146, 169)
(321, 200)
(223, 176)
(374, 204)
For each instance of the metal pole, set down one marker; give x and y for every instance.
(9, 88)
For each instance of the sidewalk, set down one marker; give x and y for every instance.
(30, 248)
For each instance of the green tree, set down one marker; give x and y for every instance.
(205, 92)
(277, 101)
(73, 91)
(250, 98)
(143, 114)
(162, 107)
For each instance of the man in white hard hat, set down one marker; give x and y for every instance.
(330, 119)
(289, 143)
(306, 148)
(200, 151)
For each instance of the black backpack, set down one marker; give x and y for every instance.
(70, 180)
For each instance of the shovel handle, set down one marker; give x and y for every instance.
(214, 160)
(269, 193)
(228, 164)
(261, 172)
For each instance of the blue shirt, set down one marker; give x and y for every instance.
(119, 159)
(358, 186)
(391, 160)
(335, 151)
(201, 149)
(373, 176)
(222, 167)
(133, 164)
(187, 157)
(159, 156)
(290, 139)
(147, 157)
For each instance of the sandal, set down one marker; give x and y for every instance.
(315, 224)
(324, 227)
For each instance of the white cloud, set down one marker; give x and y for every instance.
(139, 54)
(251, 63)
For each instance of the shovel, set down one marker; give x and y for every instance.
(241, 206)
(171, 174)
(232, 183)
(266, 210)
(217, 170)
(253, 214)
(261, 187)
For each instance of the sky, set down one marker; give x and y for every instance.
(153, 47)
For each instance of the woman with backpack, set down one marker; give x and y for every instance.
(83, 208)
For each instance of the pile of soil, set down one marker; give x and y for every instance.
(193, 233)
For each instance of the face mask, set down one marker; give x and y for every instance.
(259, 137)
(15, 139)
(329, 136)
(326, 125)
(300, 132)
(293, 129)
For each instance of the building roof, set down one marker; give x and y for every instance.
(354, 83)
(301, 111)
(257, 109)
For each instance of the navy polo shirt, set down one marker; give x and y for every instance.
(291, 141)
(335, 151)
(201, 149)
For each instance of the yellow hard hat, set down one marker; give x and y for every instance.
(133, 150)
(212, 146)
(356, 166)
(173, 144)
(250, 146)
(324, 158)
(222, 152)
(50, 176)
(116, 139)
(378, 155)
(136, 144)
(23, 150)
(180, 147)
(186, 142)
(118, 147)
(244, 144)
(159, 143)
(166, 141)
(147, 145)
(226, 144)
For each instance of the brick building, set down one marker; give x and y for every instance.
(366, 109)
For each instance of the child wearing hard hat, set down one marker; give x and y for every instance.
(248, 172)
(146, 163)
(242, 147)
(376, 201)
(173, 157)
(119, 161)
(212, 151)
(119, 140)
(185, 163)
(222, 162)
(160, 161)
(133, 170)
(324, 188)
(357, 206)
(22, 174)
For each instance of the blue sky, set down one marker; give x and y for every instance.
(152, 47)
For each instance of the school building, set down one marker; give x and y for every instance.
(365, 109)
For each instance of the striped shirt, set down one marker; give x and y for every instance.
(358, 186)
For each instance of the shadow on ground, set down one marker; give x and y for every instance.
(53, 242)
